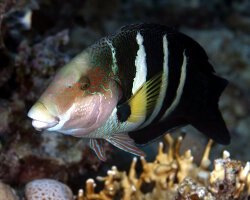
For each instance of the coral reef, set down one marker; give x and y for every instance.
(170, 176)
(175, 176)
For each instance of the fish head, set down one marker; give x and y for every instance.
(78, 101)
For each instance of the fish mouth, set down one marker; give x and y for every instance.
(40, 125)
(41, 117)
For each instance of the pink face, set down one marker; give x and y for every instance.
(76, 104)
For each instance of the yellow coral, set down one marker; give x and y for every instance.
(175, 176)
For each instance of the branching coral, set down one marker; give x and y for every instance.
(175, 176)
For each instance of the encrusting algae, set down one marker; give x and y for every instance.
(175, 176)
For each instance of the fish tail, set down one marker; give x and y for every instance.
(216, 87)
(209, 119)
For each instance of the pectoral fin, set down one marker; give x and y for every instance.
(98, 146)
(142, 102)
(124, 142)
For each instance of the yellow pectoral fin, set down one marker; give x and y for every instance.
(143, 101)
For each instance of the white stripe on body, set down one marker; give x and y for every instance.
(164, 84)
(140, 64)
(112, 125)
(112, 48)
(179, 89)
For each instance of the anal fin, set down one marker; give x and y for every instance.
(98, 146)
(124, 142)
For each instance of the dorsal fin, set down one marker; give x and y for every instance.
(194, 49)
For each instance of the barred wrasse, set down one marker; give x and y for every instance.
(132, 87)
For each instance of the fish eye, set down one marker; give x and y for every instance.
(84, 83)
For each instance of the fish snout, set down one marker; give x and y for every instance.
(41, 117)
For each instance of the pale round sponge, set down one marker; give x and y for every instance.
(47, 189)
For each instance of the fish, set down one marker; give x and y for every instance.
(132, 87)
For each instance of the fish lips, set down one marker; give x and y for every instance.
(41, 117)
(40, 125)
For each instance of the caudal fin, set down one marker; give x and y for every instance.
(209, 120)
(214, 127)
